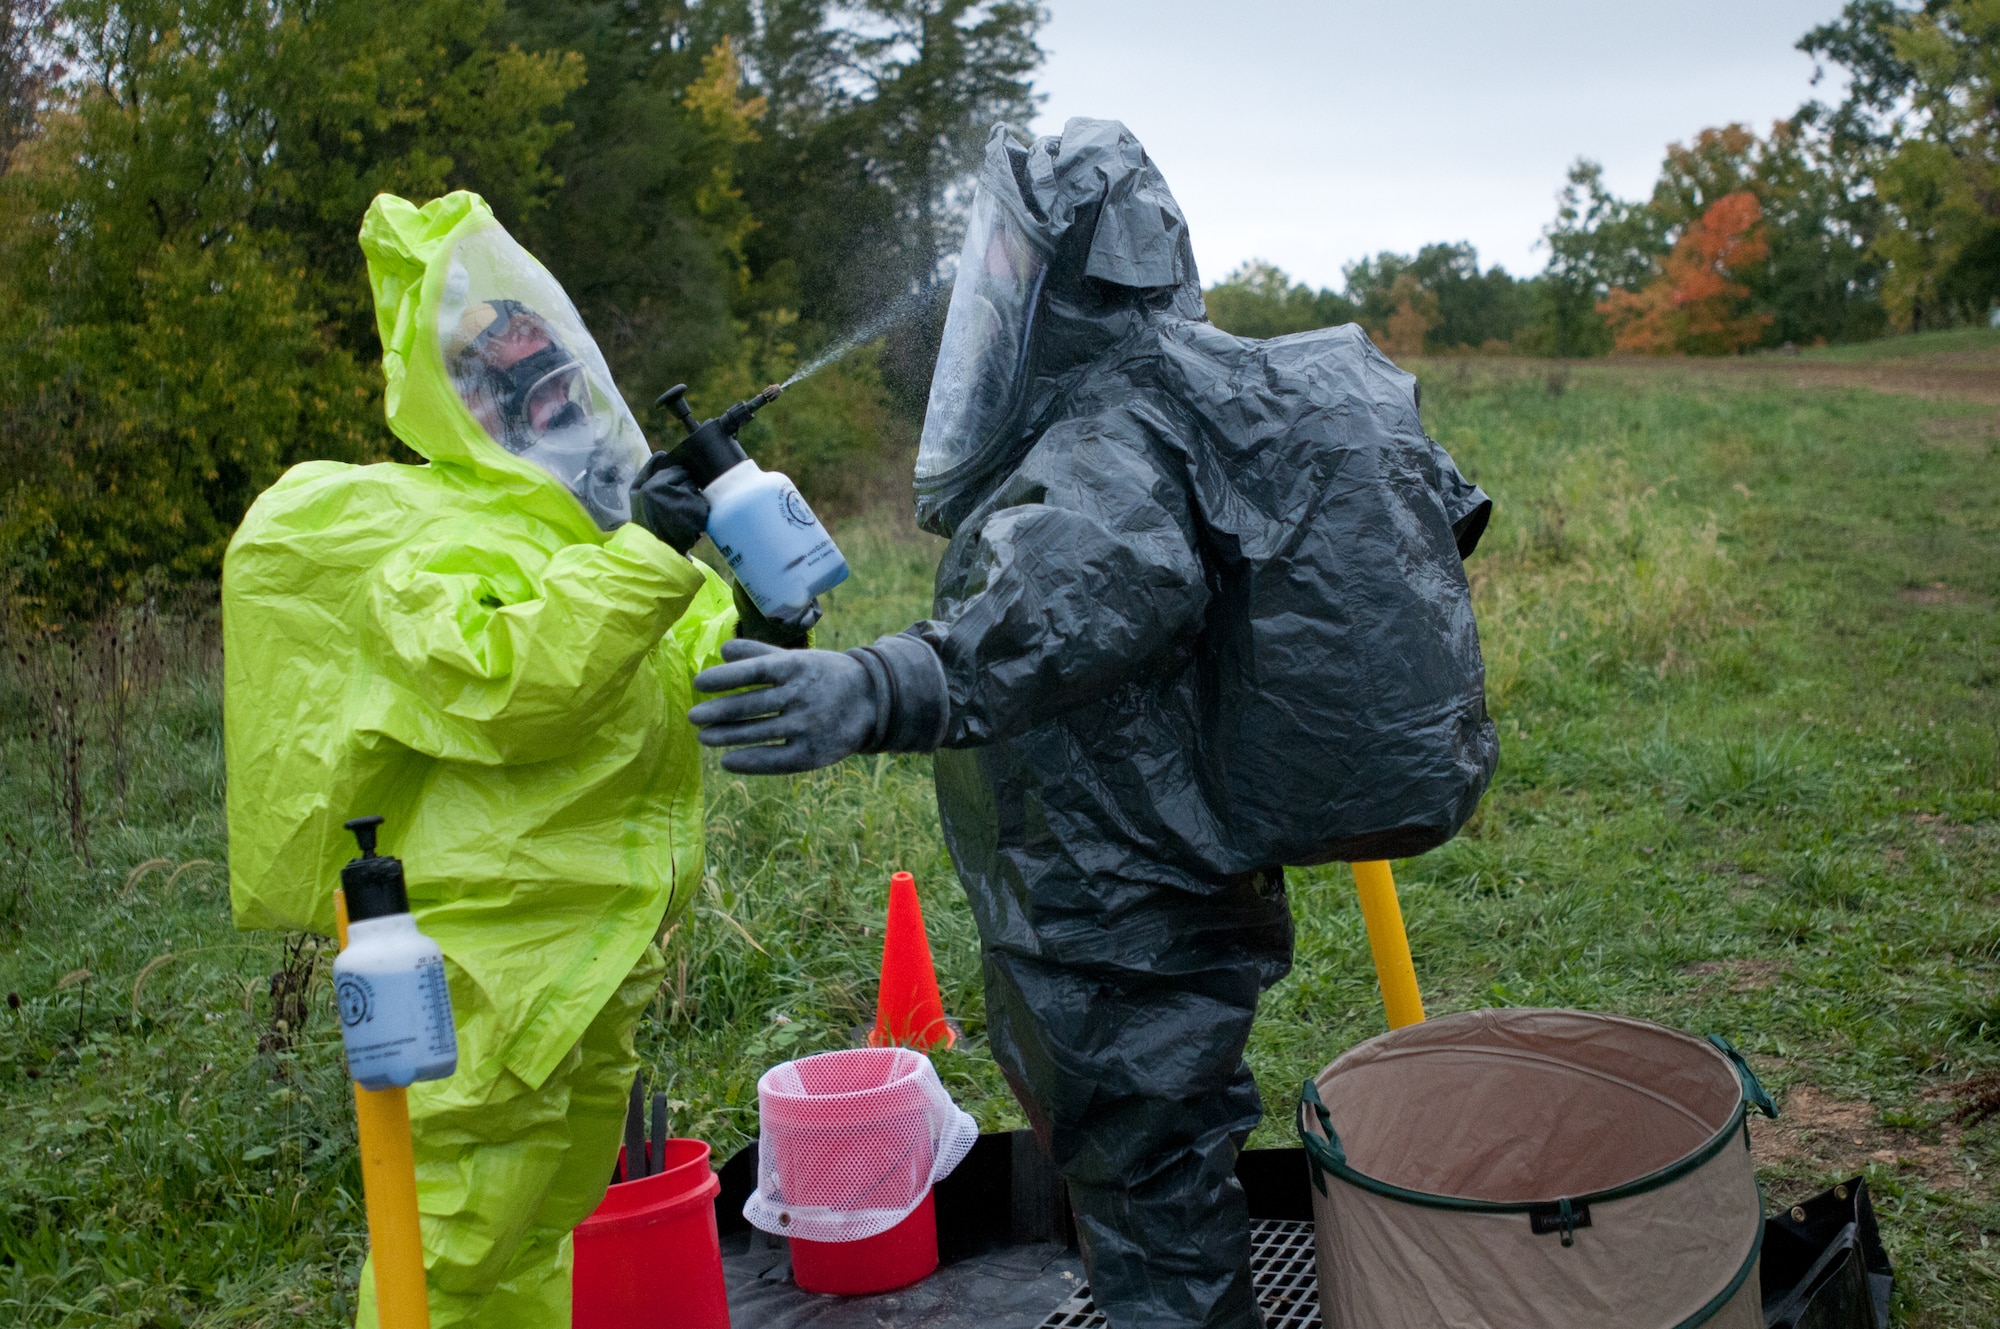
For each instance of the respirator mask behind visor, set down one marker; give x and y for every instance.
(532, 377)
(981, 378)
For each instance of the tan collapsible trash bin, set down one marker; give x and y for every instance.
(1535, 1169)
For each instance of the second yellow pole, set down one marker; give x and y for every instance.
(389, 1190)
(1389, 943)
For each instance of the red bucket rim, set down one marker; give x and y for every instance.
(687, 1180)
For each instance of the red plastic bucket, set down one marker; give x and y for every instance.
(897, 1258)
(649, 1257)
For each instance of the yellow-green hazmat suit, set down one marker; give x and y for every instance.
(465, 649)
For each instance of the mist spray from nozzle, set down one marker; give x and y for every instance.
(781, 555)
(904, 308)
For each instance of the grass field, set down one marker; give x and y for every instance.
(1743, 652)
(1953, 341)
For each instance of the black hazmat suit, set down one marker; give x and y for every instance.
(1203, 615)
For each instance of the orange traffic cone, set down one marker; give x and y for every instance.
(908, 1010)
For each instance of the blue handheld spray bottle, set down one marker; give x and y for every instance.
(771, 540)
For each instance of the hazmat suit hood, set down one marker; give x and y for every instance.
(462, 649)
(1073, 243)
(513, 391)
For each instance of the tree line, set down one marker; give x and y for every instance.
(1844, 221)
(723, 186)
(726, 187)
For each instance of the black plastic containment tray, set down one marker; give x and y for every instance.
(1008, 1258)
(1007, 1250)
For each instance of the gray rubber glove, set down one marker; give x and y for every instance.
(814, 707)
(810, 708)
(667, 502)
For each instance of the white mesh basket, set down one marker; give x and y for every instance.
(851, 1143)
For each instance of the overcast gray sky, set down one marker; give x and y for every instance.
(1312, 132)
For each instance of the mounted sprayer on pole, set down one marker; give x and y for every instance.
(395, 1020)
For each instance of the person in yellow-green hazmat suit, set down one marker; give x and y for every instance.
(489, 653)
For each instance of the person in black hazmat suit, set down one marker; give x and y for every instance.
(1203, 614)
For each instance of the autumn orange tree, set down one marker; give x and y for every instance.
(1413, 313)
(1699, 304)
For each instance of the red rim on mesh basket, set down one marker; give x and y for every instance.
(851, 1143)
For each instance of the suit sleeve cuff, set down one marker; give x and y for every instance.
(915, 704)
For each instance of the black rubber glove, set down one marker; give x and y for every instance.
(815, 707)
(667, 502)
(751, 623)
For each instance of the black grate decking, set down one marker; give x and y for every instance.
(1281, 1264)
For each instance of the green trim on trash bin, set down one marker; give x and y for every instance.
(1326, 1156)
(1753, 1088)
(1728, 1294)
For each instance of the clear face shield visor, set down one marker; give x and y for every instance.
(981, 378)
(563, 436)
(532, 377)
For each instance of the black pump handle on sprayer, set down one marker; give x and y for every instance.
(364, 829)
(710, 448)
(372, 883)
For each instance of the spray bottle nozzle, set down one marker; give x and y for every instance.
(710, 448)
(364, 833)
(739, 415)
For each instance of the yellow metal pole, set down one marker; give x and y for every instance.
(1390, 944)
(389, 1189)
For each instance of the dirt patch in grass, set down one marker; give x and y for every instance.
(1943, 829)
(1973, 377)
(1977, 434)
(1837, 1137)
(1938, 378)
(1743, 884)
(1936, 593)
(1968, 376)
(1738, 975)
(1972, 1101)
